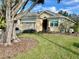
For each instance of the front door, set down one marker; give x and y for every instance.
(45, 25)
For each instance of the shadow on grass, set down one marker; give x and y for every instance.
(76, 44)
(59, 45)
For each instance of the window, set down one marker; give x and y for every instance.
(54, 23)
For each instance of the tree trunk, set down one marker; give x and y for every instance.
(9, 33)
(10, 26)
(9, 23)
(14, 36)
(14, 33)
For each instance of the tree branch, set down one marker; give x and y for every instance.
(17, 7)
(21, 14)
(1, 13)
(25, 4)
(15, 2)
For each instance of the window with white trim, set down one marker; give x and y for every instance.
(54, 23)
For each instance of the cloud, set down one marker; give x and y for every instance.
(41, 8)
(70, 9)
(53, 9)
(76, 0)
(37, 8)
(73, 8)
(70, 2)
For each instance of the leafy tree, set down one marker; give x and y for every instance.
(9, 10)
(75, 18)
(13, 10)
(64, 13)
(60, 12)
(76, 27)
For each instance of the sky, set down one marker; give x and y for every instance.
(71, 6)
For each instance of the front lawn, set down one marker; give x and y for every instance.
(52, 46)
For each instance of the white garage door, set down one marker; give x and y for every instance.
(28, 25)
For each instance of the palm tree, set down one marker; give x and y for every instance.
(13, 10)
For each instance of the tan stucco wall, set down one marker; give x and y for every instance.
(39, 21)
(44, 15)
(38, 25)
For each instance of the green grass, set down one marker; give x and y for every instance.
(51, 46)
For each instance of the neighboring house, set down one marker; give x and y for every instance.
(45, 21)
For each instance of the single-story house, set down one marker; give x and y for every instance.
(45, 21)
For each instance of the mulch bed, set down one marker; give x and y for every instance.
(11, 51)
